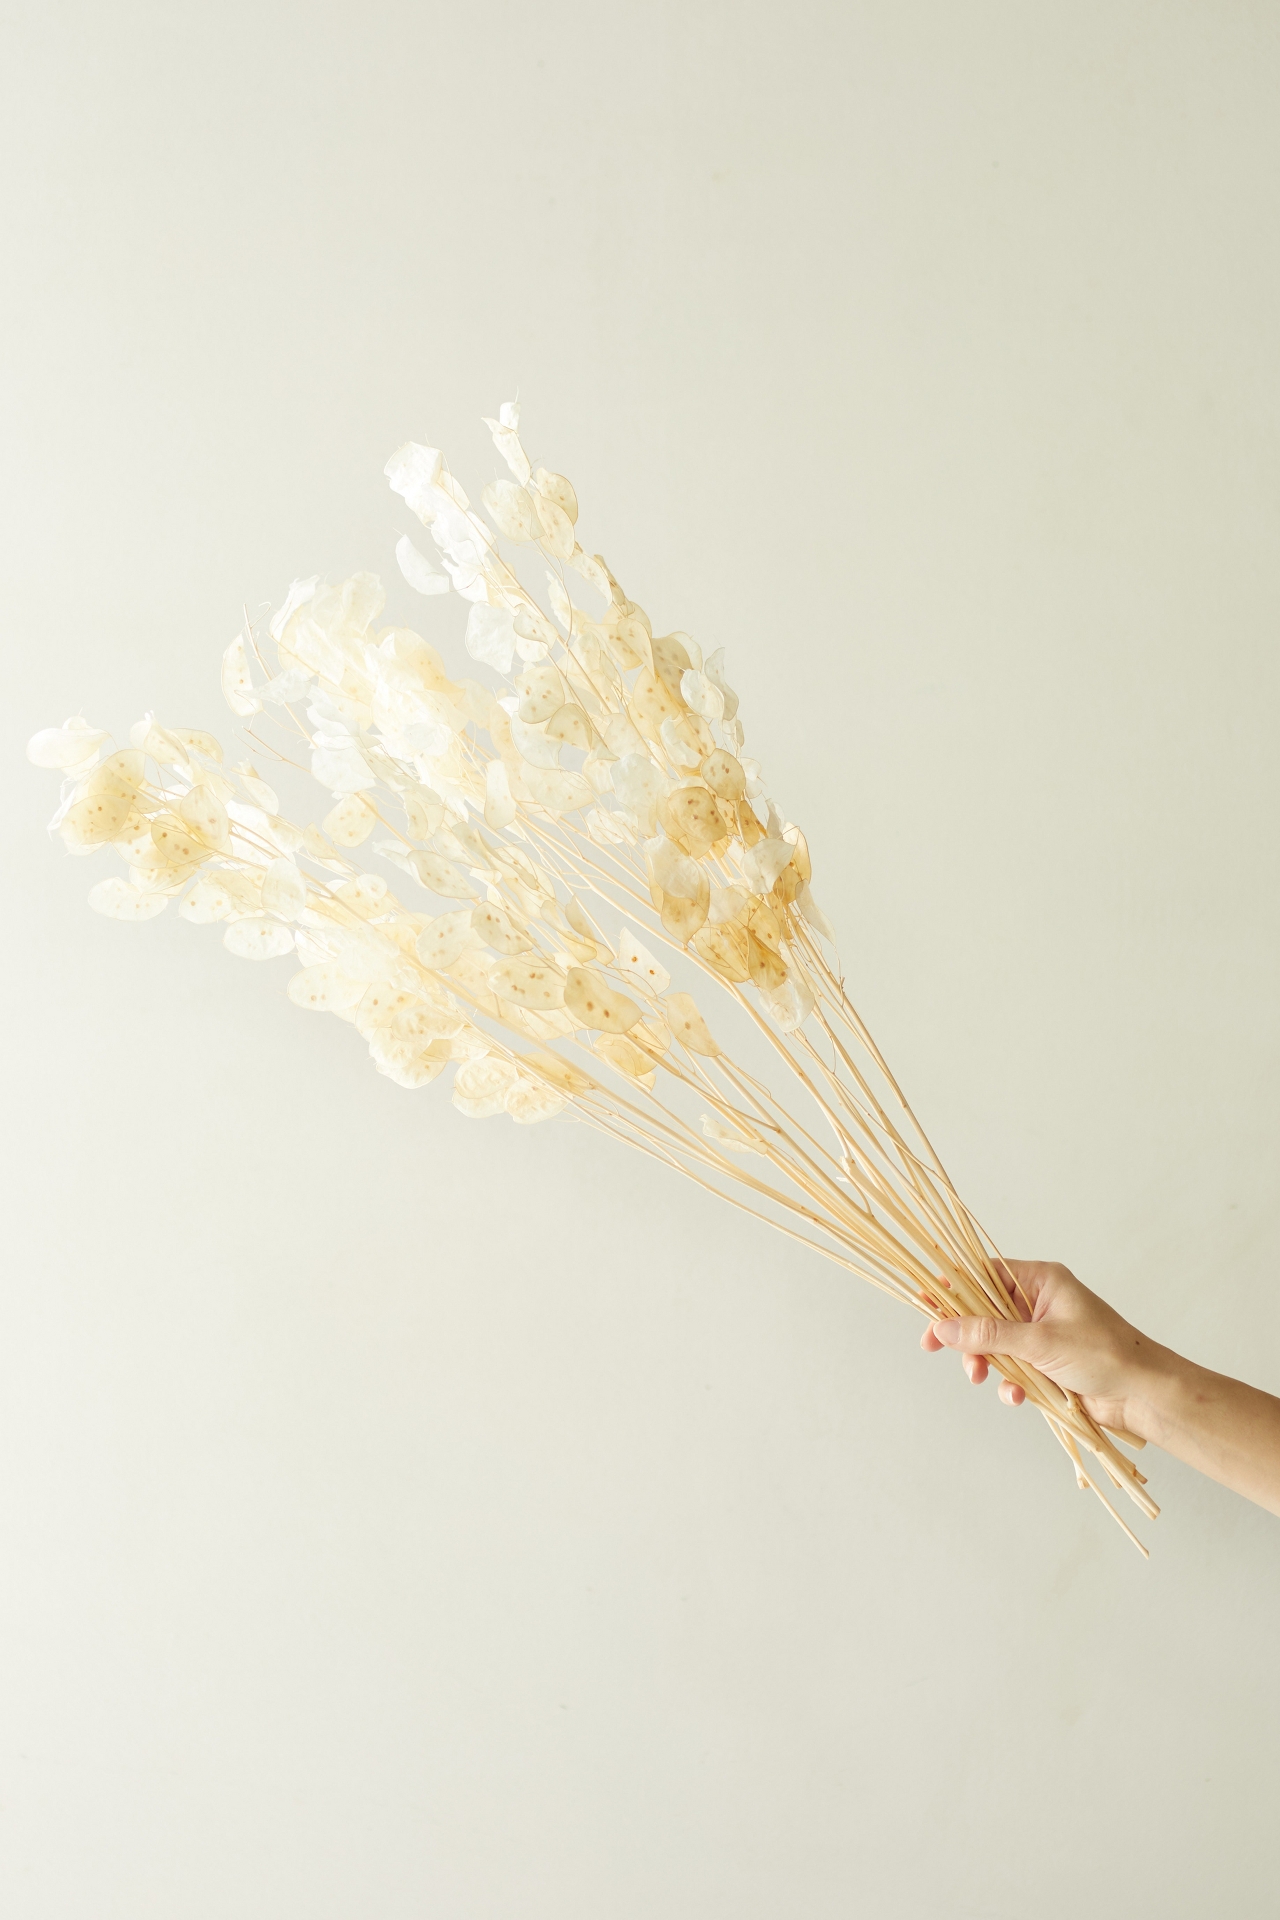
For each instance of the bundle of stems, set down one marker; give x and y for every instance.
(595, 781)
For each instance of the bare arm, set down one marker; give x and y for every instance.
(1221, 1426)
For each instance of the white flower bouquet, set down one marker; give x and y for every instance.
(576, 886)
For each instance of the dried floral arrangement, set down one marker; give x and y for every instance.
(595, 782)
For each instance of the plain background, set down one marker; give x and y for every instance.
(416, 1520)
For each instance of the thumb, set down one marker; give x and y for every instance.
(988, 1335)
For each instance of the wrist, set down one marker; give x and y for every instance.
(1157, 1379)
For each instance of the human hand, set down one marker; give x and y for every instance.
(1068, 1333)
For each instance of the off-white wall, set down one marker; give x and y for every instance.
(406, 1518)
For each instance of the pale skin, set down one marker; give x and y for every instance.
(1125, 1381)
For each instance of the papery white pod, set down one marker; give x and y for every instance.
(324, 988)
(509, 415)
(528, 1101)
(257, 938)
(507, 441)
(365, 894)
(237, 681)
(314, 647)
(203, 812)
(133, 842)
(491, 636)
(637, 960)
(653, 1034)
(557, 790)
(469, 1044)
(321, 851)
(69, 746)
(713, 669)
(437, 1019)
(283, 833)
(284, 890)
(621, 737)
(365, 953)
(511, 510)
(460, 840)
(541, 1023)
(557, 529)
(527, 983)
(499, 807)
(480, 1087)
(259, 792)
(552, 1066)
(172, 845)
(570, 726)
(533, 744)
(478, 702)
(597, 768)
(342, 769)
(639, 785)
(581, 922)
(147, 736)
(680, 752)
(535, 635)
(447, 937)
(418, 570)
(119, 901)
(727, 1136)
(441, 876)
(90, 822)
(813, 913)
(210, 899)
(542, 692)
(423, 813)
(674, 871)
(592, 568)
(724, 775)
(351, 821)
(595, 1004)
(407, 1067)
(789, 1004)
(627, 1058)
(688, 1025)
(289, 688)
(604, 829)
(680, 890)
(413, 471)
(194, 740)
(379, 1005)
(498, 930)
(119, 774)
(670, 661)
(470, 972)
(702, 695)
(691, 814)
(395, 852)
(464, 543)
(554, 487)
(561, 605)
(728, 903)
(765, 861)
(300, 593)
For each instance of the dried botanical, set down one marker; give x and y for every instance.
(595, 777)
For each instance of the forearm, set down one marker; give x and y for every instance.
(1220, 1426)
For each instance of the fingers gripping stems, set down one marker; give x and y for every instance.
(986, 1335)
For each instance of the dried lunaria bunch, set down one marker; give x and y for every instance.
(575, 881)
